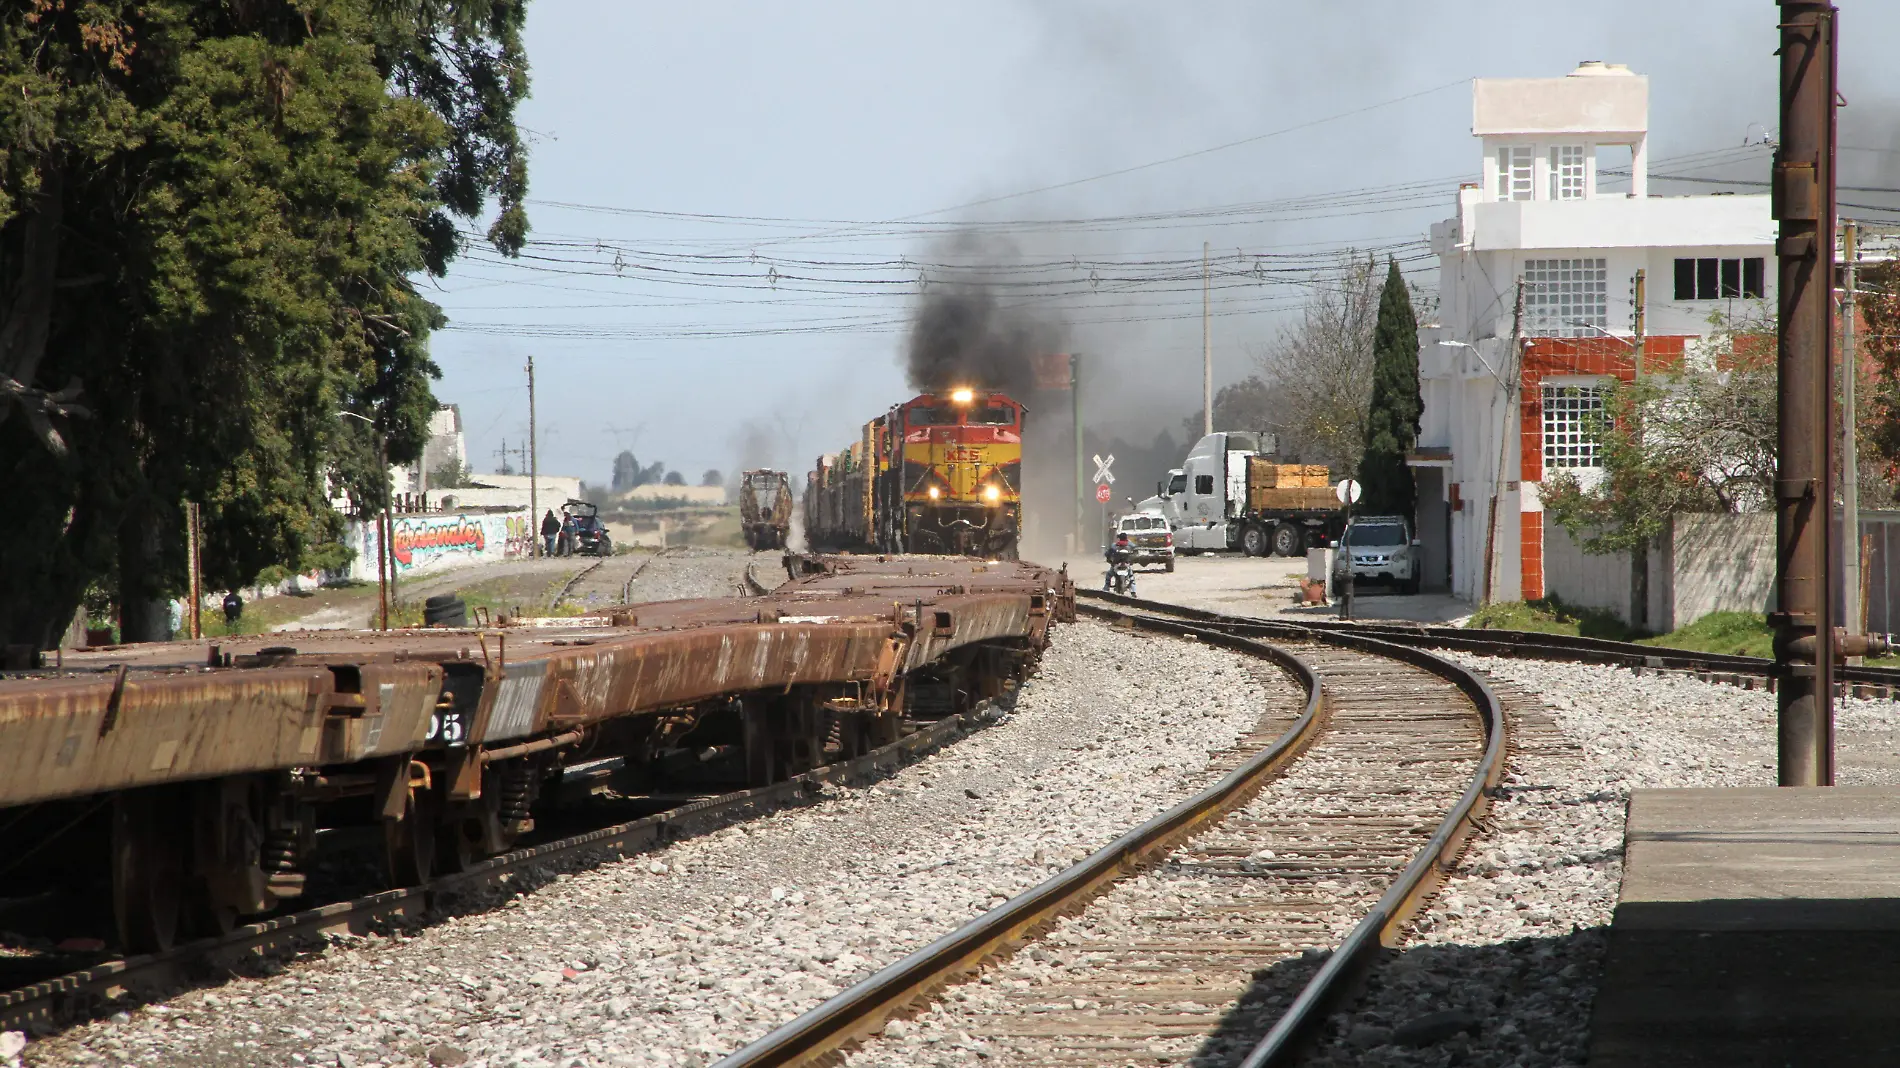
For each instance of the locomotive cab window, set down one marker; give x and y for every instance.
(993, 415)
(923, 415)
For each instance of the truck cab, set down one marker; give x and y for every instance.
(1213, 490)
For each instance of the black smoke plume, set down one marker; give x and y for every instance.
(965, 335)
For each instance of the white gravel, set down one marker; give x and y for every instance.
(677, 956)
(1512, 948)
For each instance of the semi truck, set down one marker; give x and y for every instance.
(1226, 496)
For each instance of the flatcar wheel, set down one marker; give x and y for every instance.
(410, 842)
(148, 870)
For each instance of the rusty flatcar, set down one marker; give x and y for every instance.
(940, 473)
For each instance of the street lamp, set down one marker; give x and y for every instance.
(385, 561)
(1474, 352)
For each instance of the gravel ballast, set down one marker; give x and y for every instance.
(678, 956)
(1502, 968)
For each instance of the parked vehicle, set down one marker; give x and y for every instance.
(582, 532)
(1382, 549)
(765, 508)
(1228, 497)
(1150, 536)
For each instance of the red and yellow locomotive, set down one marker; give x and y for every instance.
(940, 473)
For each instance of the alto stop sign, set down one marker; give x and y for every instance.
(1103, 493)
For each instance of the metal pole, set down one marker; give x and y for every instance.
(1850, 446)
(1207, 351)
(1803, 190)
(386, 567)
(1507, 432)
(534, 467)
(1075, 411)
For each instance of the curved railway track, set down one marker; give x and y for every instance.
(1330, 836)
(1749, 672)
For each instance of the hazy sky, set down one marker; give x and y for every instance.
(703, 282)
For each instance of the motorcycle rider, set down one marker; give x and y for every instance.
(1119, 551)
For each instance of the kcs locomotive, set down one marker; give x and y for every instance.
(940, 473)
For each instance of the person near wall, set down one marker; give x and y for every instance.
(550, 528)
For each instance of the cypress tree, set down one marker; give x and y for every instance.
(1392, 419)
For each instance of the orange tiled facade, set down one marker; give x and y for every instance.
(1551, 357)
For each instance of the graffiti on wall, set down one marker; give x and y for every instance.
(419, 540)
(519, 540)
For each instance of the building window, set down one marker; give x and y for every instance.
(1565, 298)
(1572, 416)
(1566, 172)
(1514, 172)
(1714, 279)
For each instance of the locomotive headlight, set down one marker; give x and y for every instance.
(935, 493)
(992, 494)
(962, 396)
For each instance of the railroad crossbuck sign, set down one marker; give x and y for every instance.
(1347, 491)
(1103, 493)
(1104, 477)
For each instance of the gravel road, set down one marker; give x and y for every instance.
(1503, 967)
(677, 956)
(690, 571)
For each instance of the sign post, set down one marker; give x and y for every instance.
(1104, 478)
(1348, 493)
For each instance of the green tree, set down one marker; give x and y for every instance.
(712, 477)
(1393, 414)
(626, 471)
(209, 218)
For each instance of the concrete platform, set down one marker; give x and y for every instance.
(1756, 927)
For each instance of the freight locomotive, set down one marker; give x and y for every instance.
(940, 473)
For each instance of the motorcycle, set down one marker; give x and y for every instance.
(1121, 578)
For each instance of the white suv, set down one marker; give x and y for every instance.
(1382, 549)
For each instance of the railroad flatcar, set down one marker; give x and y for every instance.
(940, 473)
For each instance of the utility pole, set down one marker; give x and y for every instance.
(1207, 354)
(1507, 432)
(534, 467)
(1075, 410)
(389, 527)
(1850, 446)
(1639, 556)
(1803, 187)
(194, 554)
(503, 453)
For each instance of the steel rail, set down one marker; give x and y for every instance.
(40, 1005)
(1535, 645)
(864, 1007)
(821, 1033)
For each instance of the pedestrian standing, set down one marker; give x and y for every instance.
(550, 529)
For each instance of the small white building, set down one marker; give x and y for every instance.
(1494, 421)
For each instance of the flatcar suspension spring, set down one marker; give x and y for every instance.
(517, 790)
(279, 852)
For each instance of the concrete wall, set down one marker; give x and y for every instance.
(1719, 563)
(1706, 563)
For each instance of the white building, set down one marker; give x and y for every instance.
(1495, 421)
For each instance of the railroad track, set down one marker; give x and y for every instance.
(1330, 837)
(45, 1005)
(1747, 672)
